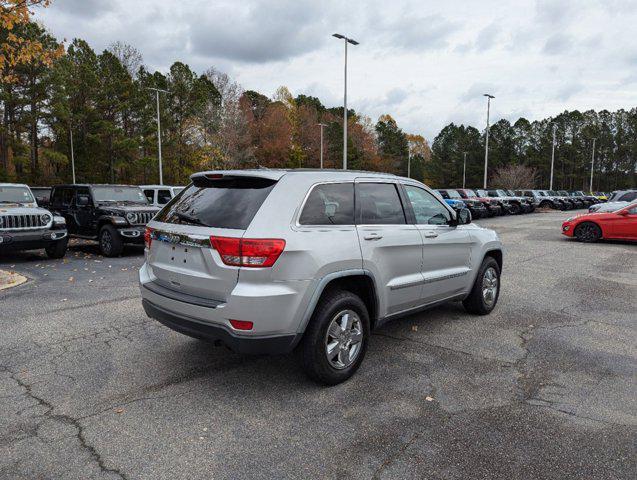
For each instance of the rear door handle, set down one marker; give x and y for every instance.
(431, 234)
(373, 236)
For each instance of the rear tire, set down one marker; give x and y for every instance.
(111, 244)
(486, 289)
(326, 353)
(57, 249)
(587, 232)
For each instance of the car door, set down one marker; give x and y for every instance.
(625, 225)
(446, 248)
(84, 214)
(391, 247)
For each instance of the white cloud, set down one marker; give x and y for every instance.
(425, 66)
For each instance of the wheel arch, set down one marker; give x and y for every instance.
(361, 282)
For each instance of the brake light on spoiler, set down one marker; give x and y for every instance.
(248, 252)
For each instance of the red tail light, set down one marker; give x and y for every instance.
(148, 237)
(248, 252)
(241, 324)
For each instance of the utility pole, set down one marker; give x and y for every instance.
(590, 188)
(552, 157)
(464, 170)
(486, 147)
(161, 173)
(72, 155)
(321, 125)
(353, 42)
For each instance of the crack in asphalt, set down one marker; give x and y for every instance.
(388, 461)
(67, 420)
(449, 349)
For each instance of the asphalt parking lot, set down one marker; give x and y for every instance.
(544, 387)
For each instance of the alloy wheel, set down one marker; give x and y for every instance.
(344, 339)
(106, 241)
(489, 286)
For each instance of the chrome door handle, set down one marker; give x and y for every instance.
(431, 234)
(373, 236)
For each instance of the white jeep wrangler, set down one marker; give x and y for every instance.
(25, 226)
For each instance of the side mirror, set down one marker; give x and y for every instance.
(82, 200)
(464, 216)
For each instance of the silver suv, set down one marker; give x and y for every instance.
(265, 261)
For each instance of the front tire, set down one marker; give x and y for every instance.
(111, 244)
(336, 339)
(57, 249)
(486, 289)
(515, 209)
(588, 232)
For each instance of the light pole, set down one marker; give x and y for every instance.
(321, 125)
(161, 173)
(353, 42)
(552, 157)
(464, 170)
(486, 147)
(72, 155)
(590, 188)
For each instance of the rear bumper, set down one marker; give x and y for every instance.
(216, 333)
(29, 240)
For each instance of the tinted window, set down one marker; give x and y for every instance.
(329, 204)
(150, 195)
(379, 203)
(628, 197)
(163, 197)
(61, 197)
(428, 210)
(224, 203)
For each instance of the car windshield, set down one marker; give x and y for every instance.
(454, 194)
(502, 193)
(482, 193)
(119, 194)
(563, 192)
(15, 195)
(470, 193)
(554, 193)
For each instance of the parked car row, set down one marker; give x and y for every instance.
(616, 200)
(45, 217)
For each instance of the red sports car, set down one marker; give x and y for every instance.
(618, 225)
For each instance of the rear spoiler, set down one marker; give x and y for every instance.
(218, 174)
(235, 179)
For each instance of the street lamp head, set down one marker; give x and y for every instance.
(352, 41)
(488, 95)
(338, 35)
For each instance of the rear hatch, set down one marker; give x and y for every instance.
(214, 205)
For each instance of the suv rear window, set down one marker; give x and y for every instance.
(229, 202)
(329, 204)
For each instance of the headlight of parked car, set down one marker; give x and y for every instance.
(45, 218)
(131, 217)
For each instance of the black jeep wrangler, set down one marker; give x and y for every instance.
(113, 215)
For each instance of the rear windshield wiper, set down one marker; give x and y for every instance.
(189, 219)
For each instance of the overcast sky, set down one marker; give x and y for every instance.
(425, 63)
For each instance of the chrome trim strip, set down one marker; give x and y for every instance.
(428, 280)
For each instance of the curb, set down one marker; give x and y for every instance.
(10, 279)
